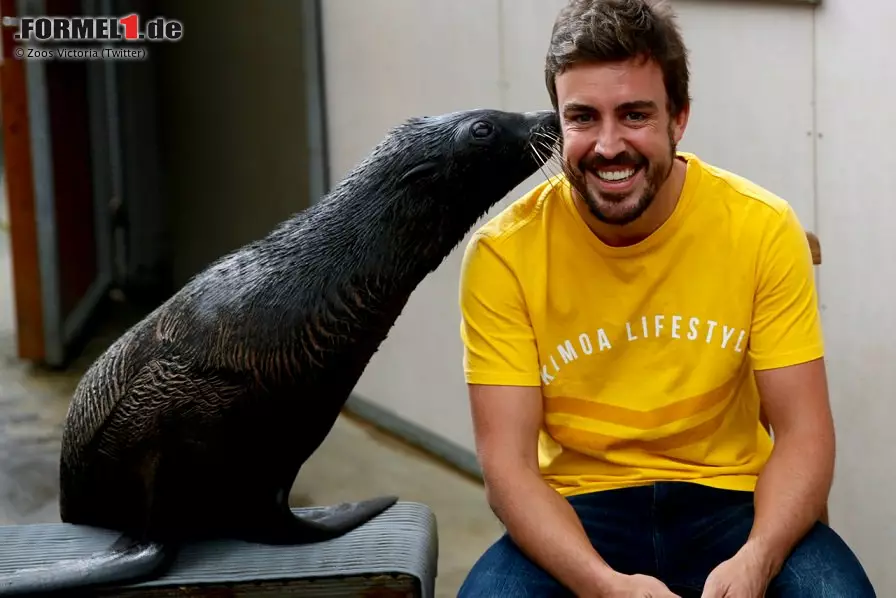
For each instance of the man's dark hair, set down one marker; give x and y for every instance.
(588, 31)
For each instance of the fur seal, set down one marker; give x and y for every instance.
(195, 422)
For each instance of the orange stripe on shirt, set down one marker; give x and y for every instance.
(643, 420)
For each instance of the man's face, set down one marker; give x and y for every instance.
(619, 139)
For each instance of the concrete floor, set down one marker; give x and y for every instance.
(355, 461)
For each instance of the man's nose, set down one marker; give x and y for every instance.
(609, 143)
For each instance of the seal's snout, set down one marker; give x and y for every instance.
(545, 121)
(542, 133)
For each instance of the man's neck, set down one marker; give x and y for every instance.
(653, 217)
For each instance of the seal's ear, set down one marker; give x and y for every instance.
(422, 170)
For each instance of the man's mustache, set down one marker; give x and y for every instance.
(595, 161)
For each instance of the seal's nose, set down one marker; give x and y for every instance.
(546, 120)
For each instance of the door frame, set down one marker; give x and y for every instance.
(44, 333)
(44, 188)
(19, 182)
(316, 101)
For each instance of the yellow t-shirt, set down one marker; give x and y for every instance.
(644, 353)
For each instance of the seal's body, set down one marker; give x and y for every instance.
(195, 423)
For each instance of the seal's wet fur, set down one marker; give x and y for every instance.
(195, 422)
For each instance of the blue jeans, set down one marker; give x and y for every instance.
(676, 532)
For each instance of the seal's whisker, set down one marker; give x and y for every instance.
(549, 151)
(552, 144)
(545, 169)
(553, 162)
(542, 159)
(538, 154)
(546, 133)
(556, 164)
(550, 138)
(539, 157)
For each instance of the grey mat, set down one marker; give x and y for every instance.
(402, 542)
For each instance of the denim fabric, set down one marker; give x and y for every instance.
(677, 532)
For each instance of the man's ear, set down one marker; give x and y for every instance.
(680, 123)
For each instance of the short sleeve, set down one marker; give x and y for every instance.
(786, 327)
(499, 342)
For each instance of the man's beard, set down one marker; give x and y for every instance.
(655, 174)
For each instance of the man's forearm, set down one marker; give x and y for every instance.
(546, 528)
(791, 494)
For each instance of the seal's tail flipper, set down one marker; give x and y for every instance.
(324, 523)
(125, 561)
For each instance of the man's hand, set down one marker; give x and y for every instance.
(619, 585)
(745, 575)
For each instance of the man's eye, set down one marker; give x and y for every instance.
(637, 116)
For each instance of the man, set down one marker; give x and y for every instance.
(623, 325)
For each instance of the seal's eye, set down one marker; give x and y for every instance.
(481, 129)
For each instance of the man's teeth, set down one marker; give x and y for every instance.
(616, 175)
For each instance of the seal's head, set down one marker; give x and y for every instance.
(460, 164)
(425, 185)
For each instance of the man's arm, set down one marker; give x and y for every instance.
(786, 347)
(501, 368)
(793, 487)
(542, 523)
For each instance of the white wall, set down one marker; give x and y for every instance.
(234, 135)
(755, 91)
(856, 178)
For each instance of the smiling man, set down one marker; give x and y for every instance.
(623, 324)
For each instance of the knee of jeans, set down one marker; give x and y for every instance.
(503, 570)
(822, 566)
